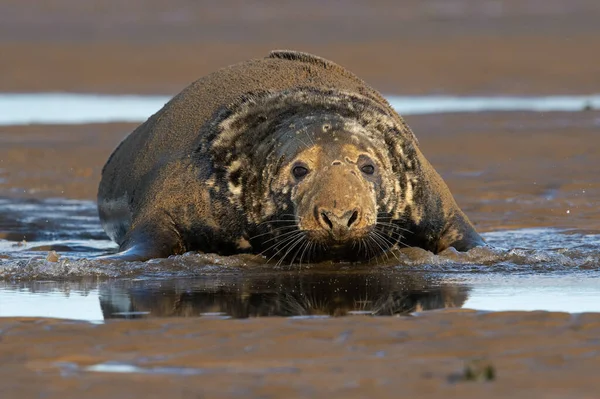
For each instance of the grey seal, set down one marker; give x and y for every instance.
(290, 156)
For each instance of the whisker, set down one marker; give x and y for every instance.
(275, 246)
(287, 244)
(393, 226)
(272, 231)
(308, 245)
(302, 245)
(371, 250)
(387, 239)
(393, 237)
(377, 242)
(286, 240)
(389, 242)
(403, 244)
(281, 235)
(301, 239)
(367, 248)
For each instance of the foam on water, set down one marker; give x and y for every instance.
(32, 264)
(73, 108)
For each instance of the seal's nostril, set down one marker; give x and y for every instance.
(326, 219)
(353, 218)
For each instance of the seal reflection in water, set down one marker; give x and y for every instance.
(290, 156)
(335, 294)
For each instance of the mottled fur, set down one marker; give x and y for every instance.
(211, 171)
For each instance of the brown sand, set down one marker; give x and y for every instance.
(413, 46)
(508, 354)
(56, 161)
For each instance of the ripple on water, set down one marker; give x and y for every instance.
(534, 251)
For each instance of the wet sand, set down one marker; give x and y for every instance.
(439, 354)
(506, 170)
(415, 47)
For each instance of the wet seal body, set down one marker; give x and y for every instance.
(291, 156)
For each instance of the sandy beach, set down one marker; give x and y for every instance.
(507, 170)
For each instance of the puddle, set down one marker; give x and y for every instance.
(71, 108)
(117, 367)
(112, 367)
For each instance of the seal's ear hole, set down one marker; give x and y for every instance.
(299, 171)
(368, 169)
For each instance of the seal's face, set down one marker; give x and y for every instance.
(328, 191)
(334, 193)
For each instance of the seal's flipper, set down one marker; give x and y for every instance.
(136, 253)
(460, 235)
(148, 241)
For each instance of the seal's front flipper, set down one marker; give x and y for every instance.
(148, 241)
(131, 254)
(460, 234)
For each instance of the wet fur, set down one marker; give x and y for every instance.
(200, 174)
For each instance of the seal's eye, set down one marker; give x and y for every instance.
(368, 169)
(299, 171)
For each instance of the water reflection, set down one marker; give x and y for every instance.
(306, 294)
(282, 294)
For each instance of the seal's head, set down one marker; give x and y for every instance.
(320, 176)
(331, 186)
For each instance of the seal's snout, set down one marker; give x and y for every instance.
(337, 223)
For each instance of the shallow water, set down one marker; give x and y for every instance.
(71, 108)
(525, 269)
